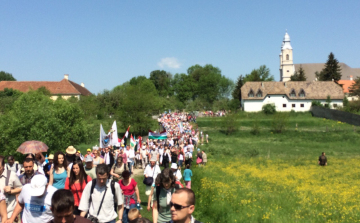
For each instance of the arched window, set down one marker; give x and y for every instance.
(302, 93)
(259, 94)
(251, 94)
(292, 93)
(287, 56)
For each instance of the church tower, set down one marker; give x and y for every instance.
(287, 67)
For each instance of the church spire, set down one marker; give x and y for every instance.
(286, 42)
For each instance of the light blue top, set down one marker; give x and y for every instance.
(59, 180)
(187, 174)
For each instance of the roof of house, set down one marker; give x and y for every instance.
(346, 84)
(63, 87)
(311, 68)
(314, 90)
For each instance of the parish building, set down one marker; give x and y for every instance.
(64, 88)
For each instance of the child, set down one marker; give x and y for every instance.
(133, 214)
(187, 176)
(138, 160)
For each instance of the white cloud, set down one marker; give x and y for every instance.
(170, 62)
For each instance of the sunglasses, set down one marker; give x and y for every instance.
(178, 206)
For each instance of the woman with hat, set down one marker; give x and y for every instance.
(151, 170)
(59, 172)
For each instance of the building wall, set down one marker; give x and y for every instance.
(66, 97)
(280, 100)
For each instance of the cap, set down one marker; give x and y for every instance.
(88, 159)
(198, 149)
(88, 150)
(38, 185)
(174, 166)
(78, 151)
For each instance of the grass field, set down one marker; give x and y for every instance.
(273, 177)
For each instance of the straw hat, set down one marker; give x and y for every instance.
(51, 157)
(70, 150)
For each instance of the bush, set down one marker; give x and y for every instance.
(316, 103)
(269, 109)
(279, 122)
(229, 124)
(252, 153)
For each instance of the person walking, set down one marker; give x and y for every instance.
(89, 169)
(187, 176)
(35, 201)
(10, 185)
(97, 159)
(62, 208)
(29, 173)
(117, 169)
(131, 194)
(182, 206)
(59, 172)
(108, 157)
(204, 158)
(199, 158)
(144, 155)
(77, 182)
(11, 165)
(130, 155)
(188, 158)
(102, 198)
(152, 170)
(165, 159)
(165, 187)
(322, 159)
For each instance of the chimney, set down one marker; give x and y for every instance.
(66, 76)
(262, 84)
(351, 77)
(82, 85)
(285, 84)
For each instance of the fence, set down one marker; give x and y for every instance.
(337, 115)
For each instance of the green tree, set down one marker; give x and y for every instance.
(7, 99)
(162, 82)
(184, 87)
(6, 76)
(331, 71)
(355, 87)
(35, 116)
(260, 74)
(137, 80)
(328, 102)
(236, 94)
(299, 75)
(139, 103)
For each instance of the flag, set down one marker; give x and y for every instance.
(139, 143)
(104, 138)
(127, 132)
(132, 142)
(161, 135)
(114, 135)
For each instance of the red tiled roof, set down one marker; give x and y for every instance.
(346, 84)
(63, 87)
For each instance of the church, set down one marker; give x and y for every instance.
(289, 95)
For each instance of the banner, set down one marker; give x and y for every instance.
(132, 142)
(161, 135)
(104, 138)
(181, 127)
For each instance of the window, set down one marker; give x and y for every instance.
(251, 94)
(287, 71)
(302, 93)
(284, 105)
(268, 96)
(259, 94)
(335, 105)
(293, 105)
(302, 105)
(292, 93)
(287, 56)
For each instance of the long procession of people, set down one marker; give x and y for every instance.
(99, 185)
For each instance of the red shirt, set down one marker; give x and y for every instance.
(76, 187)
(129, 189)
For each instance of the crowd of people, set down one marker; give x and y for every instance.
(99, 185)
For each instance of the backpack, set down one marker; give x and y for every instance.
(112, 185)
(16, 164)
(158, 188)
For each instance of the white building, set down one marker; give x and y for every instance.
(290, 95)
(287, 67)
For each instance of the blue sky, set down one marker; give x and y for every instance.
(105, 43)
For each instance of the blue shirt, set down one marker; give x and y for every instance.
(59, 180)
(187, 174)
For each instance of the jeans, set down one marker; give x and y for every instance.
(125, 214)
(130, 164)
(180, 163)
(144, 162)
(113, 221)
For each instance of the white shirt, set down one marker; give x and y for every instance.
(36, 209)
(107, 158)
(181, 157)
(107, 212)
(152, 172)
(178, 175)
(130, 154)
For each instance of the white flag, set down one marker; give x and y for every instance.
(114, 135)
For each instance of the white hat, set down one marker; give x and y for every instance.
(38, 185)
(153, 159)
(174, 166)
(88, 159)
(70, 150)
